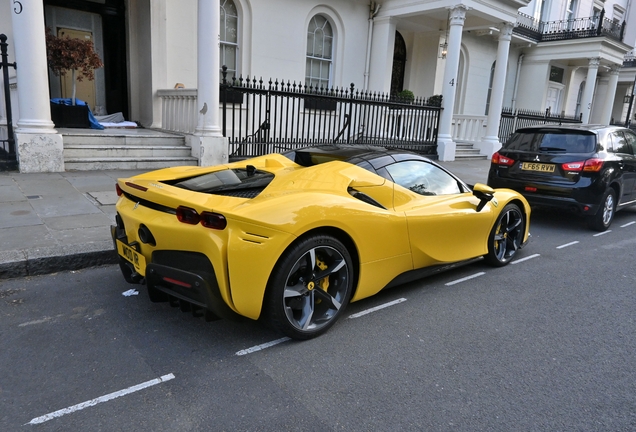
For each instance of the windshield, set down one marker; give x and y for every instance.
(552, 141)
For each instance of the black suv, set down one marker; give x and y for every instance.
(590, 169)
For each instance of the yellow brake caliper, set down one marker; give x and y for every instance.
(324, 282)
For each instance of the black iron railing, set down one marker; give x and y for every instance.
(544, 31)
(8, 159)
(266, 117)
(513, 120)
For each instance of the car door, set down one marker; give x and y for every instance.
(442, 220)
(624, 151)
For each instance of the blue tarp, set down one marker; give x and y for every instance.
(91, 118)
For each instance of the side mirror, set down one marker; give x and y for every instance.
(484, 193)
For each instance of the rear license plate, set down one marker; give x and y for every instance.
(132, 256)
(534, 166)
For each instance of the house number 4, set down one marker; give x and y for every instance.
(17, 7)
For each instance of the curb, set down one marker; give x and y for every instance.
(32, 262)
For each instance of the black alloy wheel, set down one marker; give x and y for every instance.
(603, 218)
(310, 287)
(506, 236)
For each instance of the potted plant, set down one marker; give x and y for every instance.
(77, 56)
(64, 54)
(406, 96)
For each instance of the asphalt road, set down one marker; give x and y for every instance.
(544, 344)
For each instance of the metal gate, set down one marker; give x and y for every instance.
(8, 160)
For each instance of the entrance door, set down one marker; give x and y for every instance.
(85, 89)
(553, 100)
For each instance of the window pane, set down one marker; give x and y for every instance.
(310, 44)
(229, 6)
(231, 29)
(223, 24)
(327, 47)
(423, 178)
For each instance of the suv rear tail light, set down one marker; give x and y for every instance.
(590, 165)
(188, 215)
(499, 159)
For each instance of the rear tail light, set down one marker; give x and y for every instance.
(188, 215)
(213, 220)
(593, 165)
(118, 189)
(590, 165)
(208, 219)
(499, 159)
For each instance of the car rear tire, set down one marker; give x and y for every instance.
(506, 236)
(310, 287)
(603, 218)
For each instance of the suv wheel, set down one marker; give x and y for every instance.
(605, 214)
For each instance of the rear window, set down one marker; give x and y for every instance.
(226, 180)
(552, 141)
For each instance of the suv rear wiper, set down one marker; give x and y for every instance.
(551, 149)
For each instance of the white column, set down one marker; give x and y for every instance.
(490, 142)
(590, 84)
(445, 144)
(382, 45)
(606, 116)
(38, 145)
(208, 143)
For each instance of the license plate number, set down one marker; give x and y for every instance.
(132, 256)
(533, 166)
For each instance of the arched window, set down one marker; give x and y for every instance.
(399, 64)
(229, 37)
(492, 77)
(319, 53)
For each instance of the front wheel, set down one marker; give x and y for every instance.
(310, 287)
(605, 214)
(506, 236)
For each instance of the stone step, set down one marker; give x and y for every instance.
(73, 151)
(127, 163)
(120, 140)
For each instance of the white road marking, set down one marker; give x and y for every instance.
(465, 279)
(628, 224)
(262, 346)
(602, 233)
(567, 244)
(101, 399)
(40, 321)
(377, 308)
(525, 259)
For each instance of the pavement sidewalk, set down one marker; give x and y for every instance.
(53, 222)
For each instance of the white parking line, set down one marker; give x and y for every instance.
(567, 244)
(628, 224)
(602, 233)
(101, 399)
(377, 308)
(262, 346)
(525, 259)
(465, 279)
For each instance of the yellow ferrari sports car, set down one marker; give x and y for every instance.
(295, 237)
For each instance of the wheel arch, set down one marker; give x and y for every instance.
(335, 232)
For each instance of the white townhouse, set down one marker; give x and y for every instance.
(571, 58)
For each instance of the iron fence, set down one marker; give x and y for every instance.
(511, 121)
(260, 118)
(586, 27)
(8, 160)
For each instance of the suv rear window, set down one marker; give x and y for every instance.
(552, 141)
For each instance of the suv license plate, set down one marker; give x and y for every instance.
(132, 256)
(533, 166)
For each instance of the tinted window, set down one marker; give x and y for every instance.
(423, 178)
(536, 141)
(631, 140)
(620, 144)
